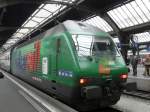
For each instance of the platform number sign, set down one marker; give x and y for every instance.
(45, 65)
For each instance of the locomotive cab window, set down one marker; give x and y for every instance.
(89, 45)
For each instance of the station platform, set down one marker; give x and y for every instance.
(143, 82)
(11, 99)
(18, 96)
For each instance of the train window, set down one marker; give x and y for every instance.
(58, 45)
(88, 45)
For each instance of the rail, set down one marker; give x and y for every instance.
(139, 93)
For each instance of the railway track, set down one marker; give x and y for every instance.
(109, 109)
(139, 93)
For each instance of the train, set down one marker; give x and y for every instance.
(76, 62)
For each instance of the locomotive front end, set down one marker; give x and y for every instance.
(103, 72)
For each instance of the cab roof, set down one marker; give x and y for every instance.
(76, 27)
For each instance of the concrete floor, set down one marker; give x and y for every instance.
(143, 82)
(11, 100)
(132, 104)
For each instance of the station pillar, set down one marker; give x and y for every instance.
(124, 42)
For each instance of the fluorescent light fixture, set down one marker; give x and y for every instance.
(116, 40)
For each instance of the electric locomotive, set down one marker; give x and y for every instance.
(78, 63)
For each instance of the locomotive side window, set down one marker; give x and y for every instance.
(58, 45)
(88, 45)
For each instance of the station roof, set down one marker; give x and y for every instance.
(99, 22)
(21, 19)
(131, 14)
(37, 18)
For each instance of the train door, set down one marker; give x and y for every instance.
(55, 56)
(56, 41)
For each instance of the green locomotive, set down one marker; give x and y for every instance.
(77, 62)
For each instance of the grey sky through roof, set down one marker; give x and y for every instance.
(100, 23)
(130, 14)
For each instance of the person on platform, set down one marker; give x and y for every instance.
(134, 63)
(147, 65)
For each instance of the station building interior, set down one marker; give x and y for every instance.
(127, 21)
